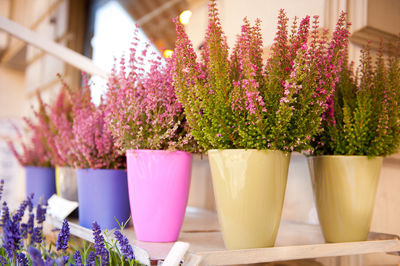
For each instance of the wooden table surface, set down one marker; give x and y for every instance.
(294, 241)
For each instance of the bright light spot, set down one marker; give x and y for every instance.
(184, 17)
(168, 53)
(113, 34)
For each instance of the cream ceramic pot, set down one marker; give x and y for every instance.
(344, 190)
(249, 187)
(66, 183)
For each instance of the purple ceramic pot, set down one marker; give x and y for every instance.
(40, 181)
(103, 197)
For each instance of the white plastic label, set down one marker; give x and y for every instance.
(60, 208)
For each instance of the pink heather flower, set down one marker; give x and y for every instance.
(250, 98)
(93, 145)
(33, 149)
(141, 108)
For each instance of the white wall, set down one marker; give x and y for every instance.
(232, 13)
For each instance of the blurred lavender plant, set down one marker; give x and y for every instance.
(23, 242)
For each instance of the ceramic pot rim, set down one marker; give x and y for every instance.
(154, 151)
(100, 169)
(343, 156)
(242, 150)
(39, 167)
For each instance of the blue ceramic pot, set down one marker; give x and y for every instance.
(103, 197)
(40, 181)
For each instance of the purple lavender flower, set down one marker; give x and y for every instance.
(12, 240)
(36, 235)
(30, 202)
(125, 246)
(1, 187)
(5, 214)
(78, 259)
(99, 246)
(22, 259)
(17, 217)
(36, 256)
(30, 223)
(91, 261)
(49, 262)
(3, 261)
(24, 230)
(40, 213)
(61, 261)
(63, 237)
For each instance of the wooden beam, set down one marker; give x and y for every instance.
(69, 56)
(11, 52)
(43, 88)
(146, 18)
(372, 36)
(63, 38)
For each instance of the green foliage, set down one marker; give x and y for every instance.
(366, 111)
(238, 101)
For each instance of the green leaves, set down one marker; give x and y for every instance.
(366, 110)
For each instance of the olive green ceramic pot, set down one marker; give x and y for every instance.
(249, 188)
(344, 191)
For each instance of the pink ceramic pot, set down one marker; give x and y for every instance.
(158, 183)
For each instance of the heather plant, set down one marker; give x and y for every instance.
(23, 241)
(364, 117)
(60, 131)
(142, 110)
(237, 101)
(32, 148)
(93, 145)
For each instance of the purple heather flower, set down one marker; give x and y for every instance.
(91, 261)
(36, 235)
(99, 246)
(22, 260)
(125, 246)
(63, 237)
(36, 256)
(40, 213)
(78, 259)
(12, 240)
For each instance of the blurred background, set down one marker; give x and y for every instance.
(102, 31)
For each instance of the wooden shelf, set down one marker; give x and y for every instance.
(294, 241)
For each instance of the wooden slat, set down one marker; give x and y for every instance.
(69, 56)
(61, 39)
(297, 252)
(18, 46)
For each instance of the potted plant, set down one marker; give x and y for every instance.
(149, 125)
(250, 115)
(60, 140)
(361, 127)
(33, 153)
(101, 174)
